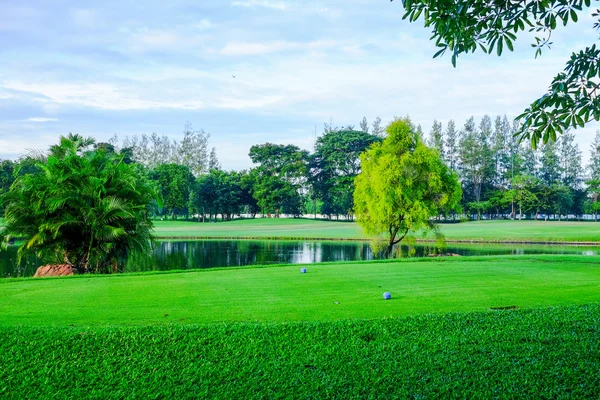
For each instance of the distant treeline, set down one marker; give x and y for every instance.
(500, 177)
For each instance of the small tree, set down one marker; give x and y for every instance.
(594, 200)
(81, 207)
(402, 186)
(522, 193)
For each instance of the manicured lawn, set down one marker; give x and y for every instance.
(491, 231)
(551, 353)
(328, 292)
(450, 331)
(279, 228)
(524, 231)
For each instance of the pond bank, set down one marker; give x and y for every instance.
(329, 239)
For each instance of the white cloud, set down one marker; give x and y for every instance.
(204, 24)
(278, 5)
(253, 49)
(288, 6)
(42, 119)
(84, 18)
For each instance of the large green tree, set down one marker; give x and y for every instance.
(335, 164)
(81, 207)
(402, 186)
(463, 26)
(280, 176)
(176, 186)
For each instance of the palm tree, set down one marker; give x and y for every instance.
(85, 208)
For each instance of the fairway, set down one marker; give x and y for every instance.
(524, 231)
(283, 228)
(268, 228)
(328, 292)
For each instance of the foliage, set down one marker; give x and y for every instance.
(81, 207)
(176, 185)
(219, 192)
(335, 164)
(285, 161)
(522, 193)
(593, 204)
(545, 353)
(6, 179)
(154, 150)
(479, 207)
(436, 138)
(463, 26)
(403, 184)
(594, 163)
(281, 172)
(274, 196)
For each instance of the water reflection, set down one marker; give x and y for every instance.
(170, 255)
(226, 253)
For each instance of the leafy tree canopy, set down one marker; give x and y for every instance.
(176, 182)
(85, 208)
(403, 184)
(463, 26)
(287, 161)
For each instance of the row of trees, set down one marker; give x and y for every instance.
(501, 176)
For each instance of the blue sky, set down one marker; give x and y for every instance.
(131, 67)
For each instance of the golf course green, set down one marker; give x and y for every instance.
(288, 228)
(327, 292)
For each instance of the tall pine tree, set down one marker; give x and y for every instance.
(593, 167)
(451, 156)
(436, 138)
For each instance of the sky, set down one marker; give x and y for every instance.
(131, 67)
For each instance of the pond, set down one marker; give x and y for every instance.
(170, 255)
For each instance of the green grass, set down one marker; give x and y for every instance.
(519, 231)
(280, 228)
(489, 231)
(328, 292)
(535, 354)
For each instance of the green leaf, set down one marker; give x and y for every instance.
(439, 53)
(509, 44)
(573, 15)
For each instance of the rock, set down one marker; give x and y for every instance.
(445, 255)
(55, 270)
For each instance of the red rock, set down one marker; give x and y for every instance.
(55, 270)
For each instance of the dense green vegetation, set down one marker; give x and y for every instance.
(78, 206)
(543, 353)
(500, 178)
(465, 26)
(403, 186)
(282, 294)
(487, 231)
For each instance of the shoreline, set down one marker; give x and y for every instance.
(461, 241)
